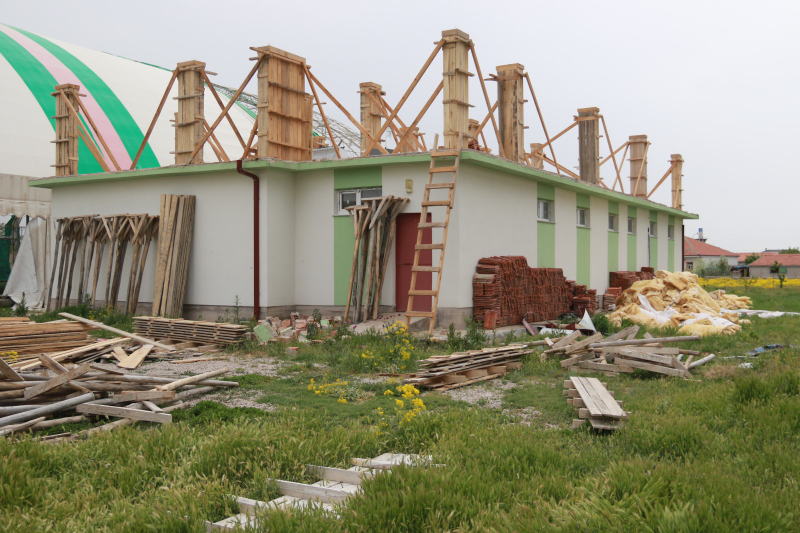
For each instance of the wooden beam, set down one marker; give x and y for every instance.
(100, 325)
(541, 118)
(511, 105)
(124, 412)
(589, 145)
(638, 178)
(486, 97)
(321, 112)
(97, 133)
(155, 119)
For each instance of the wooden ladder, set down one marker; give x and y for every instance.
(433, 172)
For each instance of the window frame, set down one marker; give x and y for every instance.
(631, 226)
(340, 211)
(551, 209)
(652, 230)
(671, 232)
(585, 217)
(614, 227)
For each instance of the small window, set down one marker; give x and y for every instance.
(613, 223)
(653, 229)
(689, 265)
(544, 210)
(671, 233)
(353, 197)
(583, 217)
(632, 226)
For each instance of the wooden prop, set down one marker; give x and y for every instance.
(172, 263)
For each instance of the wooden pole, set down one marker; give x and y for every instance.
(97, 133)
(66, 131)
(638, 178)
(677, 181)
(610, 148)
(664, 177)
(455, 97)
(511, 105)
(370, 112)
(486, 97)
(322, 113)
(589, 145)
(84, 135)
(222, 107)
(541, 118)
(155, 119)
(190, 120)
(427, 105)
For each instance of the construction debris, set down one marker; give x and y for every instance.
(172, 262)
(22, 339)
(335, 486)
(174, 331)
(677, 300)
(514, 291)
(593, 403)
(445, 372)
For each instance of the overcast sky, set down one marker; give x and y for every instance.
(714, 81)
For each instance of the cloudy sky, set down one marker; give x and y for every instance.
(714, 81)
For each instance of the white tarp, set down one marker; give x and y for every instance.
(17, 199)
(28, 275)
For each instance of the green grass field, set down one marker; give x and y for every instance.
(715, 453)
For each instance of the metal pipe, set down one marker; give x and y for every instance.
(256, 238)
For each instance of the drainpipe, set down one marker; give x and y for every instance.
(256, 253)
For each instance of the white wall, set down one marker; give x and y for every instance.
(313, 239)
(566, 232)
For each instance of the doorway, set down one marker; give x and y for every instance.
(404, 257)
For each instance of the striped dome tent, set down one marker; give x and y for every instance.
(121, 96)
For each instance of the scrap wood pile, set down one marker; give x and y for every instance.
(505, 290)
(623, 353)
(84, 392)
(676, 299)
(374, 225)
(21, 339)
(172, 260)
(445, 372)
(87, 237)
(593, 403)
(173, 331)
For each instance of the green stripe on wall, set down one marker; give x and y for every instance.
(127, 129)
(654, 241)
(344, 239)
(632, 211)
(584, 257)
(582, 200)
(41, 84)
(671, 255)
(613, 208)
(613, 251)
(545, 244)
(545, 192)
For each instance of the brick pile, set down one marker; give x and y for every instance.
(625, 278)
(506, 287)
(610, 297)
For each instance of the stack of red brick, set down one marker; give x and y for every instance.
(610, 297)
(622, 280)
(506, 287)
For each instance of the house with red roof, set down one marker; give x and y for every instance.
(789, 266)
(695, 251)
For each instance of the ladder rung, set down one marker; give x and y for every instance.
(421, 293)
(429, 247)
(435, 203)
(431, 225)
(424, 269)
(428, 314)
(442, 169)
(445, 153)
(448, 185)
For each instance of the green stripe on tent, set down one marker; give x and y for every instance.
(41, 84)
(117, 113)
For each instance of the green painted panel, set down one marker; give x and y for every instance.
(613, 251)
(584, 257)
(613, 208)
(653, 216)
(582, 200)
(671, 220)
(545, 192)
(356, 178)
(631, 252)
(545, 244)
(653, 252)
(671, 255)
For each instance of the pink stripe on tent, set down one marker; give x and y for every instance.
(64, 75)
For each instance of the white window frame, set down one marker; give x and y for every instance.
(613, 222)
(652, 229)
(671, 233)
(585, 217)
(631, 226)
(551, 208)
(340, 210)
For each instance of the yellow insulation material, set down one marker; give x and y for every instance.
(681, 292)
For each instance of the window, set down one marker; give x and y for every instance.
(613, 223)
(353, 197)
(583, 217)
(689, 265)
(632, 226)
(653, 229)
(544, 210)
(671, 233)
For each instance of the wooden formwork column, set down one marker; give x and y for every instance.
(411, 143)
(456, 87)
(66, 130)
(638, 159)
(537, 159)
(589, 144)
(283, 115)
(371, 115)
(510, 106)
(190, 118)
(677, 181)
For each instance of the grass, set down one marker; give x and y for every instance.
(715, 453)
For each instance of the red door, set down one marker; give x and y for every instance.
(404, 254)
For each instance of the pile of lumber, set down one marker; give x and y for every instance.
(445, 372)
(172, 260)
(21, 339)
(374, 225)
(506, 287)
(76, 393)
(88, 236)
(335, 486)
(174, 331)
(624, 353)
(593, 403)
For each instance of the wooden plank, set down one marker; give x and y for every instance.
(593, 400)
(153, 407)
(645, 349)
(310, 492)
(124, 412)
(566, 340)
(45, 409)
(339, 475)
(57, 381)
(119, 332)
(605, 367)
(193, 379)
(134, 360)
(652, 368)
(119, 354)
(609, 402)
(20, 427)
(582, 344)
(621, 334)
(576, 359)
(48, 363)
(138, 396)
(634, 342)
(653, 358)
(9, 372)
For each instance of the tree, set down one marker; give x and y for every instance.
(750, 258)
(791, 251)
